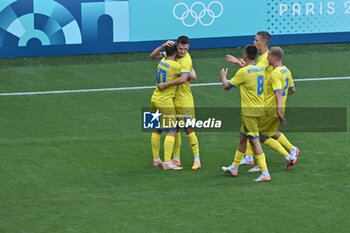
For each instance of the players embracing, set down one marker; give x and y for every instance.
(162, 102)
(183, 100)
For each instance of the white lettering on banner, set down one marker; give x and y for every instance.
(331, 8)
(197, 16)
(310, 8)
(283, 9)
(296, 9)
(347, 7)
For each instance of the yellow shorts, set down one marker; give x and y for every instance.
(185, 108)
(269, 125)
(250, 126)
(167, 109)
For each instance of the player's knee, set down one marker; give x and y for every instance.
(189, 130)
(277, 135)
(157, 131)
(243, 142)
(262, 138)
(171, 132)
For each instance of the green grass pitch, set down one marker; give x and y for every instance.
(79, 162)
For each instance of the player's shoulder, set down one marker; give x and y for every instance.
(175, 64)
(275, 72)
(169, 63)
(286, 69)
(186, 58)
(242, 70)
(263, 57)
(254, 68)
(282, 70)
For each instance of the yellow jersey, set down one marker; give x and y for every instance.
(167, 70)
(280, 81)
(251, 81)
(183, 90)
(262, 59)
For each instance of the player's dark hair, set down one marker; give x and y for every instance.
(277, 51)
(265, 36)
(183, 40)
(251, 52)
(170, 50)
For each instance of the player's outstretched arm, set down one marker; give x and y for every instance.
(234, 60)
(156, 53)
(223, 75)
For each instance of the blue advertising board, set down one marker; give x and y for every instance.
(64, 27)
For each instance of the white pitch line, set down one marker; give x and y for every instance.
(320, 79)
(144, 87)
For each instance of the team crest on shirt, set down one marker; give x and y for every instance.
(151, 120)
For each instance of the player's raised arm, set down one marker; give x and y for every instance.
(234, 60)
(157, 52)
(225, 83)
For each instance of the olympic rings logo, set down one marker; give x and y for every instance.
(198, 17)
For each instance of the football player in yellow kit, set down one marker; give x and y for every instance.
(279, 144)
(261, 41)
(279, 86)
(251, 81)
(162, 102)
(183, 100)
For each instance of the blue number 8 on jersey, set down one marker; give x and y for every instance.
(260, 80)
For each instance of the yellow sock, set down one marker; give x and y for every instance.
(155, 142)
(276, 146)
(168, 147)
(261, 161)
(194, 143)
(284, 141)
(248, 151)
(238, 157)
(177, 146)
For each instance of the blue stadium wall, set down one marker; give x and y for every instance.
(65, 27)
